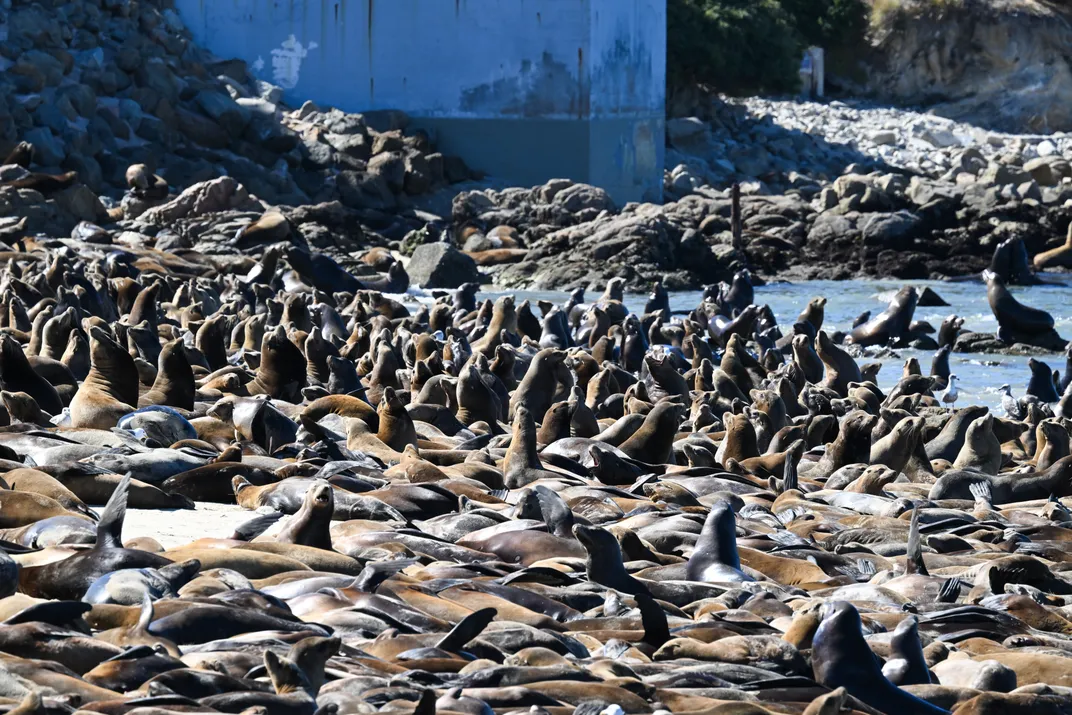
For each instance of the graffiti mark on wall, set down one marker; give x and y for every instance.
(287, 60)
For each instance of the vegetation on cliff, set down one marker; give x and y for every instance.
(744, 46)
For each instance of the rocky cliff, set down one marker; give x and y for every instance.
(1004, 64)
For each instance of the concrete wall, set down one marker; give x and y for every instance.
(526, 90)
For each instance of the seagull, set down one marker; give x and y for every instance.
(950, 395)
(1013, 409)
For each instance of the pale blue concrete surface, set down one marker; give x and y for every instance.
(525, 90)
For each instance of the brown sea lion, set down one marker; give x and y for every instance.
(111, 388)
(1060, 256)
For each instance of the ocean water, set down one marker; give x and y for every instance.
(980, 375)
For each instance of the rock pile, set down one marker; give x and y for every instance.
(96, 87)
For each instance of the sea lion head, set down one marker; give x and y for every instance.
(321, 497)
(597, 540)
(21, 406)
(389, 405)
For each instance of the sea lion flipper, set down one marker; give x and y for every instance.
(467, 629)
(556, 513)
(982, 493)
(145, 616)
(914, 553)
(253, 528)
(179, 574)
(950, 591)
(110, 526)
(652, 616)
(57, 613)
(285, 675)
(30, 705)
(427, 704)
(132, 653)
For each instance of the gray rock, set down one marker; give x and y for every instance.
(884, 137)
(939, 138)
(828, 199)
(202, 130)
(440, 265)
(212, 196)
(1029, 190)
(226, 112)
(997, 174)
(579, 198)
(391, 167)
(1041, 171)
(355, 145)
(49, 149)
(81, 203)
(830, 226)
(50, 68)
(891, 230)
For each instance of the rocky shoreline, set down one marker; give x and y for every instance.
(831, 191)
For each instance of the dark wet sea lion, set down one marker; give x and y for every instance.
(212, 482)
(892, 323)
(71, 577)
(1041, 384)
(841, 658)
(1011, 314)
(16, 375)
(715, 558)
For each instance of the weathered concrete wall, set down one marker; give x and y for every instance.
(526, 90)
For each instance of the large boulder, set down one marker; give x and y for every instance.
(441, 265)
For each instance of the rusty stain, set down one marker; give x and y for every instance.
(539, 19)
(457, 8)
(336, 13)
(372, 89)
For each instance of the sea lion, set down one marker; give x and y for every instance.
(23, 408)
(282, 370)
(1056, 257)
(1010, 263)
(892, 323)
(841, 658)
(16, 375)
(1006, 488)
(1041, 384)
(981, 450)
(311, 525)
(653, 442)
(111, 388)
(1014, 318)
(714, 558)
(71, 577)
(841, 369)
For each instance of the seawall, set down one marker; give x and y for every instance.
(524, 90)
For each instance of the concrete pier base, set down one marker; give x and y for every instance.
(526, 90)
